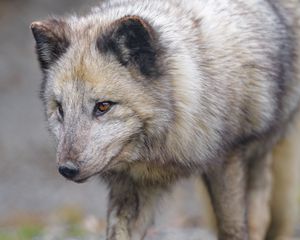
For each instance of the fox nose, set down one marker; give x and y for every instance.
(68, 170)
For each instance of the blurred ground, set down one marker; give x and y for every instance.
(35, 200)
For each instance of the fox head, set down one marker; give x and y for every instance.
(104, 93)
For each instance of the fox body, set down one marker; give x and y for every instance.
(143, 93)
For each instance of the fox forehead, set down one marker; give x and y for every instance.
(88, 73)
(88, 67)
(82, 62)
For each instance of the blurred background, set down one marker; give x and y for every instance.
(35, 201)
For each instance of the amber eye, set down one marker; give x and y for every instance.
(102, 108)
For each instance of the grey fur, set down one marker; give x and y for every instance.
(225, 93)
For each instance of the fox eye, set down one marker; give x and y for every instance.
(102, 107)
(60, 110)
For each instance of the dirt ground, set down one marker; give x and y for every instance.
(33, 195)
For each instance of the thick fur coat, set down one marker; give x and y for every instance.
(143, 93)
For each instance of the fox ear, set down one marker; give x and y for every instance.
(51, 41)
(133, 41)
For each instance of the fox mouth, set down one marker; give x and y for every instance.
(104, 172)
(111, 165)
(82, 180)
(85, 178)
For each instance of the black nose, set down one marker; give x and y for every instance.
(68, 170)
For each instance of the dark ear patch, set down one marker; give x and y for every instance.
(133, 42)
(51, 41)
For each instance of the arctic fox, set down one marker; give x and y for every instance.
(143, 93)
